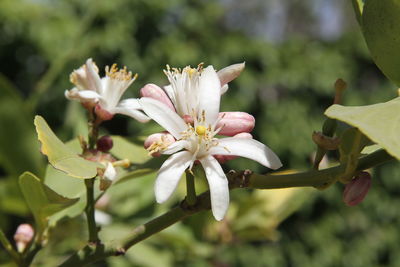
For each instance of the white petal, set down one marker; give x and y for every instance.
(175, 147)
(248, 148)
(231, 72)
(92, 74)
(224, 88)
(164, 116)
(130, 107)
(82, 95)
(209, 94)
(170, 173)
(110, 173)
(218, 184)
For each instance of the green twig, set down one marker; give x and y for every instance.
(89, 210)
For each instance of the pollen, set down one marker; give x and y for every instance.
(119, 74)
(201, 130)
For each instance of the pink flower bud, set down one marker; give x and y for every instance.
(230, 73)
(356, 190)
(156, 142)
(188, 119)
(105, 143)
(155, 92)
(233, 123)
(224, 158)
(102, 113)
(23, 236)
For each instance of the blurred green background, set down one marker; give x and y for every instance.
(294, 51)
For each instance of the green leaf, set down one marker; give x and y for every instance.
(123, 149)
(380, 20)
(42, 200)
(60, 156)
(379, 122)
(358, 6)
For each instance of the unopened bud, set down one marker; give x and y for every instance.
(325, 142)
(233, 123)
(105, 143)
(155, 92)
(107, 176)
(102, 113)
(188, 119)
(356, 190)
(23, 236)
(230, 73)
(157, 142)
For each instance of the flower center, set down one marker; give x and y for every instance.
(201, 130)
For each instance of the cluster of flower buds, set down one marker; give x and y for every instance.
(357, 189)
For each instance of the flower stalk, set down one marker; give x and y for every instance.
(190, 189)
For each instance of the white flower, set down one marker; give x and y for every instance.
(198, 141)
(105, 93)
(183, 89)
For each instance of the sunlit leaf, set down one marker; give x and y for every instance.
(60, 156)
(42, 200)
(379, 122)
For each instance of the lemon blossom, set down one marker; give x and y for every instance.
(198, 141)
(104, 93)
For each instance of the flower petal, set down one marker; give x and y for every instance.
(248, 148)
(110, 173)
(170, 173)
(175, 147)
(130, 107)
(164, 116)
(230, 73)
(155, 92)
(82, 95)
(209, 94)
(92, 75)
(218, 184)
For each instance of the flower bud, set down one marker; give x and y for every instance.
(102, 113)
(23, 236)
(155, 92)
(233, 123)
(224, 158)
(156, 142)
(356, 190)
(188, 119)
(230, 73)
(105, 143)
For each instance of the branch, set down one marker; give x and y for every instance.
(242, 179)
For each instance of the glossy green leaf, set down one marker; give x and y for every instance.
(124, 149)
(42, 200)
(60, 156)
(358, 6)
(380, 24)
(379, 122)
